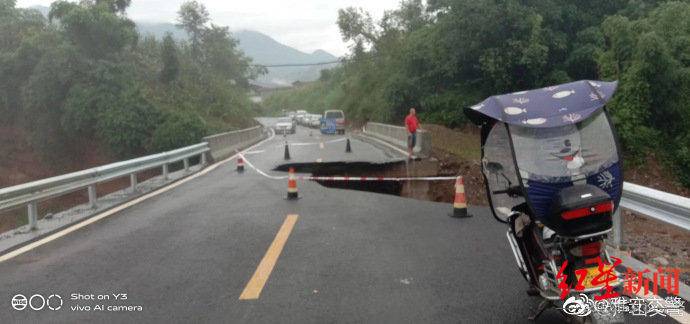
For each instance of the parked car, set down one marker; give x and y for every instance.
(291, 115)
(306, 120)
(285, 125)
(333, 122)
(314, 120)
(299, 115)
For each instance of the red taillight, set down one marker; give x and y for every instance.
(582, 212)
(589, 249)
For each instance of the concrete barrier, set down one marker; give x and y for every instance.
(397, 136)
(224, 145)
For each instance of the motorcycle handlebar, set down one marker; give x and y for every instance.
(511, 191)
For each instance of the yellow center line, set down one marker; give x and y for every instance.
(263, 271)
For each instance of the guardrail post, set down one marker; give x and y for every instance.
(133, 182)
(186, 164)
(92, 196)
(165, 171)
(33, 215)
(203, 159)
(617, 228)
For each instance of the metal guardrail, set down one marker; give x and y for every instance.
(658, 205)
(31, 193)
(662, 206)
(397, 135)
(224, 144)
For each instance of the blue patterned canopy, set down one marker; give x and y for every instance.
(553, 106)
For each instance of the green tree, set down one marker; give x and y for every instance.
(19, 52)
(193, 17)
(95, 29)
(178, 129)
(171, 66)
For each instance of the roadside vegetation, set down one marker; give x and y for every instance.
(443, 55)
(83, 75)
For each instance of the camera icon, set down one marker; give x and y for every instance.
(19, 302)
(37, 302)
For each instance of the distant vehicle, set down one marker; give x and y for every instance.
(285, 125)
(306, 119)
(314, 120)
(333, 122)
(299, 115)
(291, 115)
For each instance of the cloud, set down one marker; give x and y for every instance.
(305, 25)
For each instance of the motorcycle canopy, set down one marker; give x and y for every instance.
(557, 105)
(544, 140)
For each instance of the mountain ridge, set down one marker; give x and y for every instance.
(262, 48)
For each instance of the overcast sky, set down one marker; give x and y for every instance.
(307, 25)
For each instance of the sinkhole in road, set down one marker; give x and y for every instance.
(441, 191)
(353, 169)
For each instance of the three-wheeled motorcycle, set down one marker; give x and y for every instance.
(552, 170)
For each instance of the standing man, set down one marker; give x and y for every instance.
(412, 125)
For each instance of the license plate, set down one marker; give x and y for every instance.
(592, 273)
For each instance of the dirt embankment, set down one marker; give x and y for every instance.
(19, 162)
(22, 164)
(458, 152)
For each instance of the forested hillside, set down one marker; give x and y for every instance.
(443, 55)
(85, 76)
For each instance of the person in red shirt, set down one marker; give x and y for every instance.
(412, 125)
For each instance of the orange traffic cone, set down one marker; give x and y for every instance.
(240, 163)
(292, 185)
(460, 203)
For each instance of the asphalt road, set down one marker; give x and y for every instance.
(188, 254)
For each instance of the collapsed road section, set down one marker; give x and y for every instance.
(412, 179)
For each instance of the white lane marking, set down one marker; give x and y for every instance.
(321, 145)
(126, 205)
(319, 160)
(253, 152)
(261, 172)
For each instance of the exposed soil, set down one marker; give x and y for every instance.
(458, 154)
(21, 164)
(656, 243)
(652, 174)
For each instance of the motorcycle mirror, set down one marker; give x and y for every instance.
(494, 167)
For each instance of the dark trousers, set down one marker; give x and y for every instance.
(412, 140)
